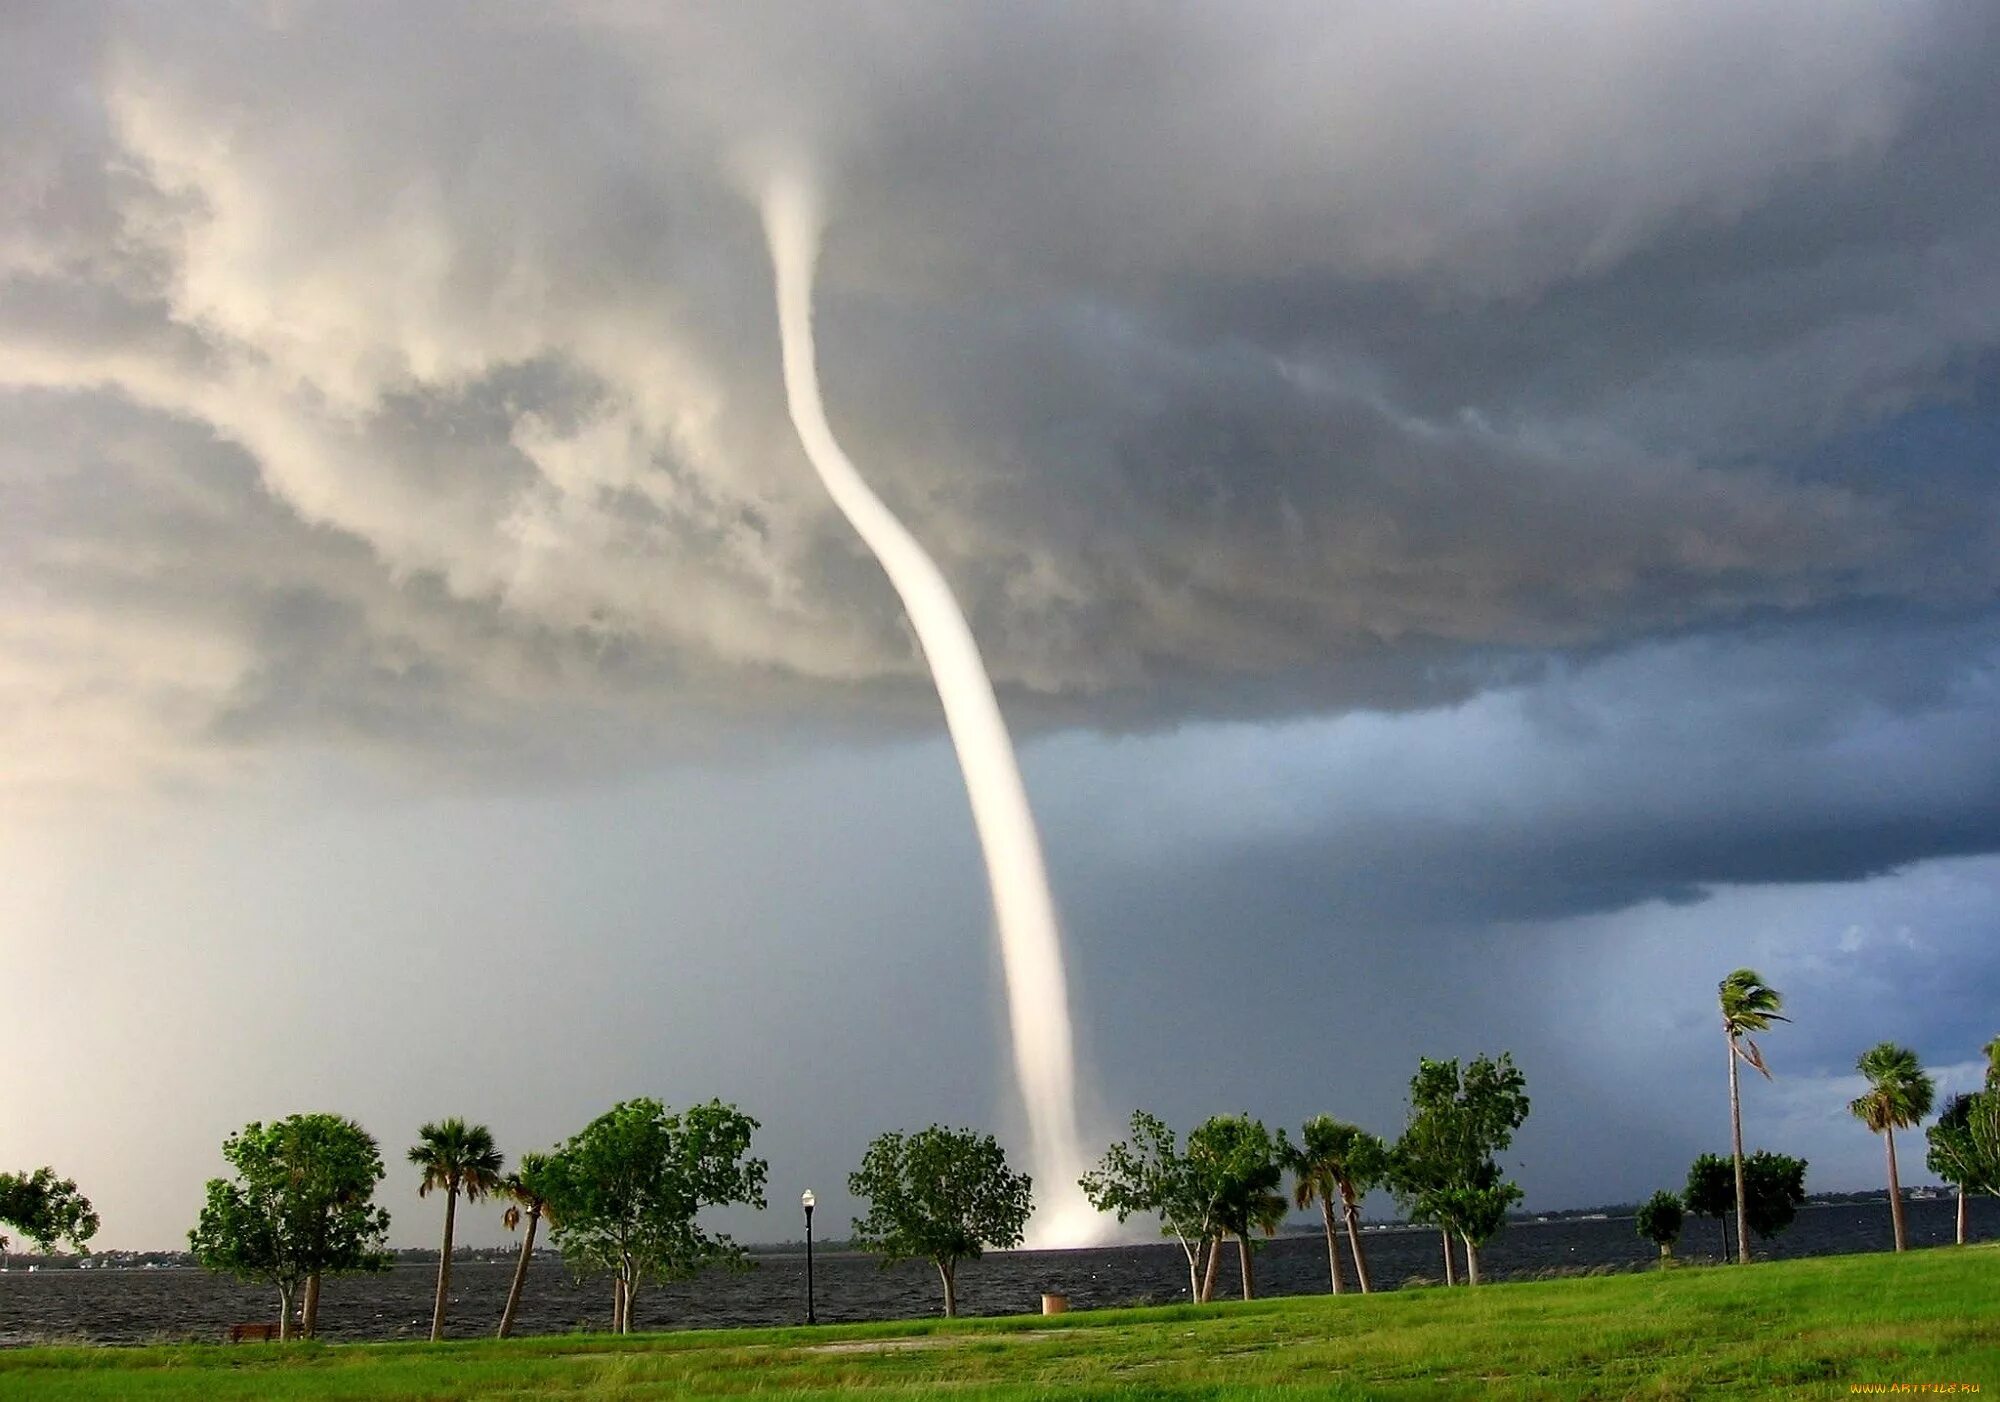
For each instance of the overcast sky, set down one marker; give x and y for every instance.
(1483, 518)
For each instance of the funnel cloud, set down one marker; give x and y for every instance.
(1023, 908)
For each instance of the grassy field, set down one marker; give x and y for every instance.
(1807, 1328)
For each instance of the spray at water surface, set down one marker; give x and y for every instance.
(1023, 909)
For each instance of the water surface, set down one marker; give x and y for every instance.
(136, 1306)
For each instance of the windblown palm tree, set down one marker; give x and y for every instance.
(1336, 1160)
(459, 1158)
(528, 1186)
(1265, 1212)
(1748, 1005)
(1899, 1096)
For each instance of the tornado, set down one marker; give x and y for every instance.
(1023, 908)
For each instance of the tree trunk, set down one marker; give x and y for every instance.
(285, 1332)
(618, 1304)
(1332, 1244)
(309, 1320)
(1352, 1212)
(1961, 1215)
(444, 1262)
(631, 1301)
(1895, 1186)
(520, 1274)
(1736, 1147)
(1208, 1276)
(1450, 1266)
(1193, 1254)
(1243, 1260)
(1725, 1236)
(948, 1273)
(1471, 1262)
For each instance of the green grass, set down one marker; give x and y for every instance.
(1803, 1328)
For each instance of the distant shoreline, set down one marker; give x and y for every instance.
(1612, 1212)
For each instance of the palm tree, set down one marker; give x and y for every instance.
(1266, 1213)
(1336, 1159)
(459, 1158)
(1899, 1096)
(1748, 1005)
(1314, 1180)
(529, 1187)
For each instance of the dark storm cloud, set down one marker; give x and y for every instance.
(1240, 363)
(1827, 753)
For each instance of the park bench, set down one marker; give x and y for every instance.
(253, 1333)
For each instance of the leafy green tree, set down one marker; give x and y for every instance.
(1899, 1095)
(45, 1209)
(1659, 1221)
(344, 1195)
(1235, 1159)
(301, 1204)
(1333, 1161)
(1965, 1147)
(1442, 1169)
(527, 1191)
(939, 1195)
(1149, 1173)
(1748, 1005)
(622, 1195)
(1710, 1191)
(457, 1158)
(1775, 1190)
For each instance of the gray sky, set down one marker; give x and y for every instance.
(1483, 521)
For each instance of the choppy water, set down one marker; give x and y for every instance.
(136, 1306)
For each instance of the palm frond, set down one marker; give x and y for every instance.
(1748, 1003)
(1748, 1050)
(1900, 1091)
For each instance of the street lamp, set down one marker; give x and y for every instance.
(806, 1201)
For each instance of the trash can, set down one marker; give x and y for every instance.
(1055, 1304)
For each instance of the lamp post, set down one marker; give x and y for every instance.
(806, 1201)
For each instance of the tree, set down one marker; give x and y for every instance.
(342, 1195)
(939, 1195)
(1659, 1221)
(458, 1158)
(1235, 1160)
(527, 1189)
(1149, 1173)
(623, 1194)
(1442, 1168)
(1965, 1147)
(301, 1205)
(1748, 1005)
(1775, 1191)
(1711, 1188)
(1336, 1159)
(1899, 1095)
(45, 1209)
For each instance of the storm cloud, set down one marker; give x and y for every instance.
(1207, 352)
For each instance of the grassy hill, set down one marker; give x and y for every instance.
(1820, 1327)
